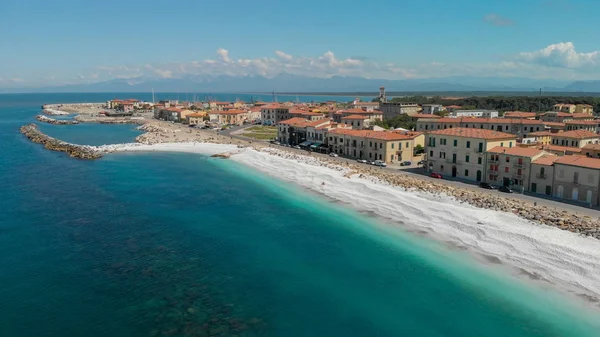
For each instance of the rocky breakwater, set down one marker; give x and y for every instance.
(564, 220)
(109, 120)
(49, 120)
(32, 132)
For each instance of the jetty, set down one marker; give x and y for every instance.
(32, 132)
(55, 121)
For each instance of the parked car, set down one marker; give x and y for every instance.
(487, 186)
(505, 189)
(297, 147)
(370, 162)
(363, 161)
(421, 162)
(380, 163)
(406, 163)
(435, 175)
(333, 154)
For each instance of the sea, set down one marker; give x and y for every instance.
(174, 244)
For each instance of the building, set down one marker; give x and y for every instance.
(519, 114)
(473, 113)
(460, 152)
(562, 107)
(577, 178)
(451, 108)
(519, 127)
(357, 122)
(575, 138)
(366, 106)
(387, 146)
(542, 137)
(196, 118)
(591, 126)
(541, 174)
(391, 110)
(373, 115)
(171, 114)
(555, 116)
(562, 150)
(591, 150)
(584, 109)
(230, 117)
(268, 114)
(429, 109)
(294, 131)
(511, 166)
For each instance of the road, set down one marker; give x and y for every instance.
(421, 174)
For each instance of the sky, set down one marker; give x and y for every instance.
(58, 42)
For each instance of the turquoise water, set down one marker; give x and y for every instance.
(167, 244)
(91, 133)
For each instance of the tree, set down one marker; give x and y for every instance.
(419, 149)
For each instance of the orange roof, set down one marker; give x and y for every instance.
(516, 151)
(230, 112)
(454, 107)
(355, 110)
(222, 103)
(356, 117)
(561, 148)
(424, 116)
(557, 114)
(594, 147)
(578, 134)
(380, 135)
(174, 109)
(581, 116)
(368, 103)
(196, 114)
(581, 161)
(473, 133)
(583, 122)
(547, 159)
(296, 121)
(518, 114)
(317, 123)
(479, 120)
(557, 124)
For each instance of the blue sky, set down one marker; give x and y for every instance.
(68, 41)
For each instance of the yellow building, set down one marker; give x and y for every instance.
(196, 118)
(460, 152)
(575, 138)
(229, 117)
(568, 108)
(584, 109)
(387, 146)
(542, 137)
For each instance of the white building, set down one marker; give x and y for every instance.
(429, 109)
(474, 113)
(393, 109)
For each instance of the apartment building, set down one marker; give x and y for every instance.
(591, 126)
(391, 110)
(591, 150)
(584, 109)
(542, 174)
(230, 117)
(460, 152)
(575, 138)
(511, 166)
(474, 113)
(387, 146)
(577, 178)
(373, 115)
(196, 118)
(562, 107)
(357, 122)
(519, 127)
(365, 106)
(542, 137)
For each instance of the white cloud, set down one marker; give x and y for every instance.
(283, 55)
(224, 53)
(563, 55)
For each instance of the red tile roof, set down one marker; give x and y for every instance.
(578, 134)
(359, 117)
(516, 151)
(580, 161)
(473, 133)
(547, 160)
(519, 114)
(583, 122)
(581, 116)
(380, 135)
(558, 148)
(593, 147)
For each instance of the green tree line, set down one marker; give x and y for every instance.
(503, 103)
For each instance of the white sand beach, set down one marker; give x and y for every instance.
(546, 255)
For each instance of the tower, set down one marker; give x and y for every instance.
(382, 94)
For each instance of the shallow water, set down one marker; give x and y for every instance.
(150, 243)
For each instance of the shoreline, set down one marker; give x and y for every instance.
(528, 251)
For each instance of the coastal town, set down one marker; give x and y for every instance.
(554, 154)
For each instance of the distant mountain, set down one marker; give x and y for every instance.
(293, 83)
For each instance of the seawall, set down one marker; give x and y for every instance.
(49, 120)
(32, 132)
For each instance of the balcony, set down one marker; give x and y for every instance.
(493, 160)
(541, 176)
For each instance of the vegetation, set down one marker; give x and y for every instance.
(402, 121)
(503, 103)
(261, 132)
(419, 149)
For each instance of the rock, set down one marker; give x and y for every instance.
(32, 132)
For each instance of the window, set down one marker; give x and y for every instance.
(506, 169)
(370, 144)
(466, 173)
(430, 153)
(467, 158)
(501, 144)
(468, 145)
(576, 177)
(380, 146)
(508, 159)
(491, 167)
(542, 172)
(519, 172)
(480, 147)
(455, 142)
(479, 160)
(407, 145)
(392, 145)
(509, 144)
